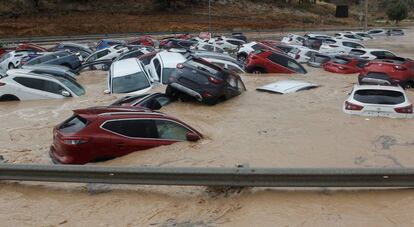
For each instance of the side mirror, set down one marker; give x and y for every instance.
(107, 92)
(66, 94)
(192, 137)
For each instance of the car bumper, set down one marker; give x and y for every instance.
(187, 90)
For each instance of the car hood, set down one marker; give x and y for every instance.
(287, 86)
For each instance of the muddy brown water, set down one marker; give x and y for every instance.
(305, 129)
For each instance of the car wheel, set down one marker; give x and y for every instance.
(408, 85)
(258, 71)
(9, 98)
(171, 92)
(241, 58)
(11, 66)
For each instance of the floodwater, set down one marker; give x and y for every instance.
(305, 129)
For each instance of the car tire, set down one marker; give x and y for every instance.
(408, 85)
(258, 71)
(172, 92)
(11, 66)
(241, 57)
(9, 98)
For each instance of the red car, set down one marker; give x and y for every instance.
(30, 46)
(345, 64)
(101, 133)
(144, 41)
(394, 70)
(266, 61)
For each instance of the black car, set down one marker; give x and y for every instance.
(206, 82)
(63, 58)
(239, 35)
(151, 101)
(396, 32)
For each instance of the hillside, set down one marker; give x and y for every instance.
(48, 17)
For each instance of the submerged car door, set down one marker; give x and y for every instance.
(129, 135)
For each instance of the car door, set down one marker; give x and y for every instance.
(155, 69)
(34, 88)
(130, 135)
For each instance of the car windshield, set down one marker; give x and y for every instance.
(130, 83)
(384, 97)
(356, 52)
(72, 85)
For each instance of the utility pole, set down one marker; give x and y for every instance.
(209, 16)
(366, 16)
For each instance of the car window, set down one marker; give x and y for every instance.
(170, 130)
(73, 124)
(377, 53)
(342, 61)
(166, 73)
(361, 63)
(93, 57)
(39, 84)
(295, 66)
(102, 53)
(383, 97)
(388, 54)
(130, 83)
(353, 45)
(157, 66)
(74, 86)
(133, 128)
(320, 58)
(357, 52)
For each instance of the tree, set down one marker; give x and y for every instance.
(397, 11)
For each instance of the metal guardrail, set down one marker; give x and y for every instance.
(244, 176)
(47, 39)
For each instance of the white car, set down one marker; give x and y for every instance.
(317, 35)
(20, 85)
(378, 101)
(246, 49)
(11, 60)
(337, 46)
(163, 64)
(372, 54)
(364, 35)
(227, 43)
(301, 54)
(377, 32)
(209, 47)
(128, 76)
(225, 64)
(110, 53)
(292, 39)
(349, 37)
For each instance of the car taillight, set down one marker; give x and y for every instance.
(214, 80)
(74, 141)
(399, 67)
(180, 66)
(2, 84)
(405, 110)
(351, 106)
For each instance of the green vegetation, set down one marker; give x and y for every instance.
(397, 11)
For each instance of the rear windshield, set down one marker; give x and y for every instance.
(203, 67)
(130, 83)
(321, 58)
(356, 52)
(342, 61)
(73, 124)
(383, 97)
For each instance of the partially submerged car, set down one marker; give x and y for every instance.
(54, 70)
(247, 48)
(272, 62)
(83, 50)
(136, 53)
(12, 59)
(301, 54)
(378, 101)
(128, 76)
(395, 32)
(349, 36)
(227, 43)
(20, 85)
(371, 54)
(335, 46)
(153, 101)
(63, 58)
(395, 70)
(292, 39)
(209, 47)
(110, 53)
(101, 133)
(206, 82)
(345, 64)
(316, 60)
(377, 32)
(162, 65)
(106, 43)
(287, 86)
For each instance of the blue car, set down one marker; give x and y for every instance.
(105, 43)
(63, 58)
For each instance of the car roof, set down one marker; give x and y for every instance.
(97, 110)
(125, 67)
(171, 59)
(46, 67)
(371, 49)
(25, 72)
(378, 87)
(287, 86)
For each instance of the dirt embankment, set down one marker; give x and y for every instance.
(78, 18)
